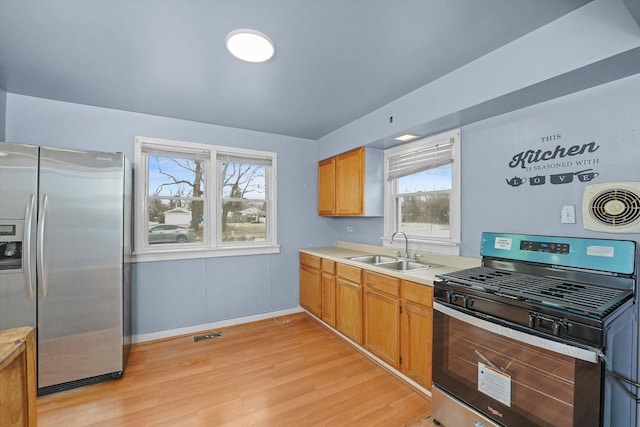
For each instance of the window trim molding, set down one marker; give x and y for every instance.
(450, 246)
(210, 247)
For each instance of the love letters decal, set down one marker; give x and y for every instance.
(557, 165)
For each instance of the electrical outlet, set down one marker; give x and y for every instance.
(568, 214)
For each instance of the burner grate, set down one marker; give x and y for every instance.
(595, 300)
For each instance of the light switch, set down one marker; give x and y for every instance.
(568, 214)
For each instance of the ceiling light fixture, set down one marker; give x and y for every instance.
(406, 137)
(250, 45)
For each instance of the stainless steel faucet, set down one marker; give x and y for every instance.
(406, 242)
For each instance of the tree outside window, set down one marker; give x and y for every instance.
(244, 206)
(204, 197)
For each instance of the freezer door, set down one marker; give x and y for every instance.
(18, 188)
(80, 265)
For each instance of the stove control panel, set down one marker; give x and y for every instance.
(551, 247)
(606, 255)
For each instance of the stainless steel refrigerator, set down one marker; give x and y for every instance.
(65, 259)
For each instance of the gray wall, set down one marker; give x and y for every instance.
(3, 112)
(489, 98)
(174, 294)
(594, 33)
(608, 115)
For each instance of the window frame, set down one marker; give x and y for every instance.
(445, 246)
(212, 245)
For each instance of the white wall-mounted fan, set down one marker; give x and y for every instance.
(612, 207)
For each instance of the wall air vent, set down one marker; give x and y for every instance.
(612, 207)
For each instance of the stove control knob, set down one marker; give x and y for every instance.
(468, 301)
(559, 326)
(451, 297)
(533, 320)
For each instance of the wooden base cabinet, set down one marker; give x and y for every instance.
(349, 301)
(311, 283)
(416, 332)
(329, 292)
(17, 377)
(382, 317)
(389, 317)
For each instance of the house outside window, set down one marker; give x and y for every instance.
(422, 193)
(200, 200)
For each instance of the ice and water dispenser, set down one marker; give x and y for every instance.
(11, 234)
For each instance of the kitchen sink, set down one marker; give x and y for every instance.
(405, 265)
(392, 263)
(373, 259)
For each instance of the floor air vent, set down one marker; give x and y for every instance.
(212, 335)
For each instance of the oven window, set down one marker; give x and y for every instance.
(512, 382)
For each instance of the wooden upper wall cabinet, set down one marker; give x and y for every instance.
(351, 184)
(327, 187)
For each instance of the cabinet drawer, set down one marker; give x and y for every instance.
(415, 292)
(310, 260)
(349, 273)
(380, 282)
(328, 266)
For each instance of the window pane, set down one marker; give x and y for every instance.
(205, 197)
(244, 221)
(175, 221)
(424, 215)
(176, 176)
(429, 180)
(243, 180)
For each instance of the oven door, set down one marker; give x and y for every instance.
(513, 378)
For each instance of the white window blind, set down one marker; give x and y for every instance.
(229, 158)
(429, 157)
(184, 153)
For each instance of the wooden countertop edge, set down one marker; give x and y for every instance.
(9, 336)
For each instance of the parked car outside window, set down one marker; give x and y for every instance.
(170, 234)
(226, 197)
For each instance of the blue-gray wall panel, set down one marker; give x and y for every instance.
(173, 294)
(3, 113)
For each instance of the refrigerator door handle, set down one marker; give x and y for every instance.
(42, 284)
(26, 245)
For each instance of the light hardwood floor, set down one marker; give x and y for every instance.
(288, 371)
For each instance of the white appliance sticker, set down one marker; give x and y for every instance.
(503, 243)
(494, 384)
(606, 251)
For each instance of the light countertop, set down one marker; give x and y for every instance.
(344, 250)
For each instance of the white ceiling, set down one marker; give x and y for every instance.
(335, 61)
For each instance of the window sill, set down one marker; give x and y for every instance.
(195, 253)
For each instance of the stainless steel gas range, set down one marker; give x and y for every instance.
(544, 333)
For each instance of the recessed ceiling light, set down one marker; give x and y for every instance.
(250, 45)
(406, 137)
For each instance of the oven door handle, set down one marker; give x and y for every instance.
(587, 354)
